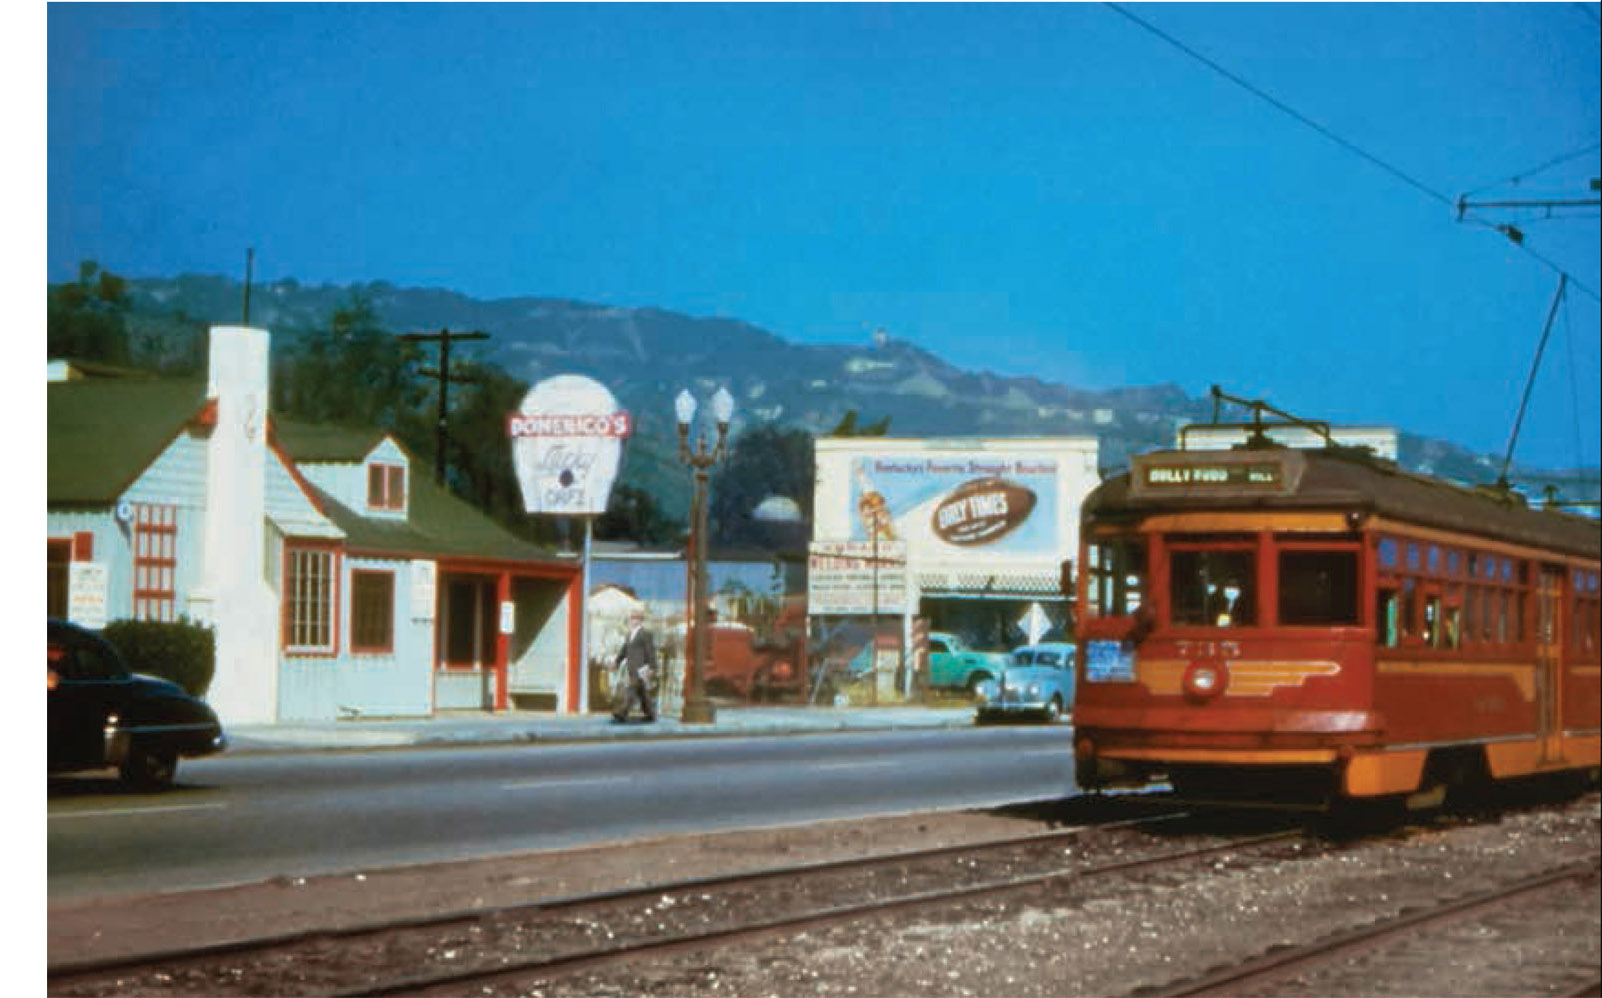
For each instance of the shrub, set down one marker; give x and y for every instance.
(183, 651)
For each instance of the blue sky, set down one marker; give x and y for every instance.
(1042, 189)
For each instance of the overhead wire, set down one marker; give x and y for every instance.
(1514, 235)
(1523, 175)
(1286, 108)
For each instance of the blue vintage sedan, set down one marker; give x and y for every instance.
(1039, 684)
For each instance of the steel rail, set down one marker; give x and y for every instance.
(454, 981)
(179, 956)
(1269, 968)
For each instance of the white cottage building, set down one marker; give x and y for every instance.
(340, 581)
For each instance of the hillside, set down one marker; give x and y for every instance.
(647, 355)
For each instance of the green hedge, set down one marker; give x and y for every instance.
(183, 651)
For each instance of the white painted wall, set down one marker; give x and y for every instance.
(233, 593)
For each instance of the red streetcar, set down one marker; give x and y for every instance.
(1319, 626)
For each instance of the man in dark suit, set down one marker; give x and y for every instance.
(636, 672)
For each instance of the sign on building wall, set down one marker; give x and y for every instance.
(856, 577)
(997, 503)
(87, 584)
(567, 440)
(423, 588)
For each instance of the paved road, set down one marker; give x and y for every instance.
(250, 818)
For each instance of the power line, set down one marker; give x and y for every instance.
(1588, 12)
(1287, 109)
(1532, 171)
(1514, 234)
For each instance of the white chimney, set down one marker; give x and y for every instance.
(233, 594)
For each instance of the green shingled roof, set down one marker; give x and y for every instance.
(437, 524)
(322, 442)
(102, 433)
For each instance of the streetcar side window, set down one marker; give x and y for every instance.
(1387, 617)
(1318, 587)
(1432, 621)
(1212, 588)
(1117, 576)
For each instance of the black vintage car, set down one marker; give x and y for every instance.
(103, 716)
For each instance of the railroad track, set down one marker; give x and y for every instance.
(481, 947)
(1265, 971)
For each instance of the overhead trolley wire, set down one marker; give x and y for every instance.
(1514, 236)
(1532, 171)
(1286, 108)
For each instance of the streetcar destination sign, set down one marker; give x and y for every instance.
(1230, 473)
(1237, 474)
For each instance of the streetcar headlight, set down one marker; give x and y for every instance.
(1205, 679)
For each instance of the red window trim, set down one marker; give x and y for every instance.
(386, 486)
(372, 649)
(298, 651)
(155, 561)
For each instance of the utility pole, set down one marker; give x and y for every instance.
(442, 374)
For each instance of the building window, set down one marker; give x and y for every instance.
(372, 611)
(309, 600)
(386, 486)
(155, 561)
(58, 577)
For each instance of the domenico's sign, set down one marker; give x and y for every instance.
(567, 440)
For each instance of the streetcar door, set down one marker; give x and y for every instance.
(1548, 661)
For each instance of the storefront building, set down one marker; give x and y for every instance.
(341, 581)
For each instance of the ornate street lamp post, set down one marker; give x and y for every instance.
(697, 708)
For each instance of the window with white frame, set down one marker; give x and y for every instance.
(372, 611)
(309, 599)
(386, 487)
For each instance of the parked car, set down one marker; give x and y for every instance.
(953, 664)
(1039, 684)
(103, 716)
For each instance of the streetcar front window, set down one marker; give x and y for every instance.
(1318, 588)
(1212, 588)
(1117, 576)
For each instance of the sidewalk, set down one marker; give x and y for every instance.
(524, 727)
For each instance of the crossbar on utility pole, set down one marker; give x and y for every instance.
(443, 375)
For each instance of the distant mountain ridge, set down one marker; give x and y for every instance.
(646, 355)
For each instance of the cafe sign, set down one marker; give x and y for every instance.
(567, 442)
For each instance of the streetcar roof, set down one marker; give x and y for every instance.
(1341, 480)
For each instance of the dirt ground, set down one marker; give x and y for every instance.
(115, 927)
(1122, 939)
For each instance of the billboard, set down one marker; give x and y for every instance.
(982, 517)
(999, 503)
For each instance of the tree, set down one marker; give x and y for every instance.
(633, 514)
(355, 372)
(847, 427)
(87, 319)
(764, 461)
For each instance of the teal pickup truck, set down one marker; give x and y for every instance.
(953, 664)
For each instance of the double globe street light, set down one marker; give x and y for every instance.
(698, 708)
